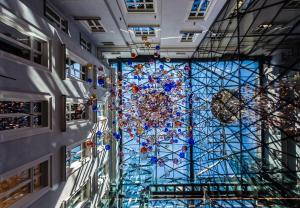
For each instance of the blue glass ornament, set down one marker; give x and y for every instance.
(94, 107)
(101, 81)
(181, 155)
(99, 133)
(107, 147)
(153, 160)
(191, 141)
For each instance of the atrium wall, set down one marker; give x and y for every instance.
(33, 81)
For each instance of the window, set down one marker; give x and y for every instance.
(23, 183)
(76, 111)
(23, 114)
(55, 18)
(139, 5)
(80, 197)
(143, 31)
(22, 45)
(76, 155)
(187, 37)
(199, 9)
(85, 44)
(75, 70)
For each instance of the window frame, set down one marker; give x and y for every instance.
(198, 11)
(8, 135)
(143, 30)
(140, 10)
(69, 112)
(32, 196)
(85, 44)
(83, 69)
(20, 27)
(85, 156)
(62, 23)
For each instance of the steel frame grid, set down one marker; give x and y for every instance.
(256, 158)
(211, 49)
(179, 173)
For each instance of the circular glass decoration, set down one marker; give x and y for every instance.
(225, 105)
(155, 108)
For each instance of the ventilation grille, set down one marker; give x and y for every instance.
(92, 23)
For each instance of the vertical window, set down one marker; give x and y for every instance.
(76, 111)
(18, 114)
(22, 45)
(77, 155)
(23, 183)
(199, 9)
(73, 156)
(85, 44)
(75, 69)
(55, 18)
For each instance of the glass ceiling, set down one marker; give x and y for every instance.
(200, 147)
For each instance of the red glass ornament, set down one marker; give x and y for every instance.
(144, 150)
(135, 89)
(133, 55)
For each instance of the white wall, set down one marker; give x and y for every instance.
(35, 80)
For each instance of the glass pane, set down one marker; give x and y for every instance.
(14, 34)
(37, 58)
(37, 45)
(37, 107)
(14, 49)
(13, 181)
(15, 196)
(41, 176)
(14, 123)
(37, 121)
(14, 107)
(75, 154)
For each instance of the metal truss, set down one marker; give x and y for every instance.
(253, 161)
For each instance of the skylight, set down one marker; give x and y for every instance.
(143, 30)
(139, 5)
(199, 9)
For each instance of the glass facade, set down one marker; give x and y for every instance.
(217, 140)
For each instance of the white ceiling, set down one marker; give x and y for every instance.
(170, 16)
